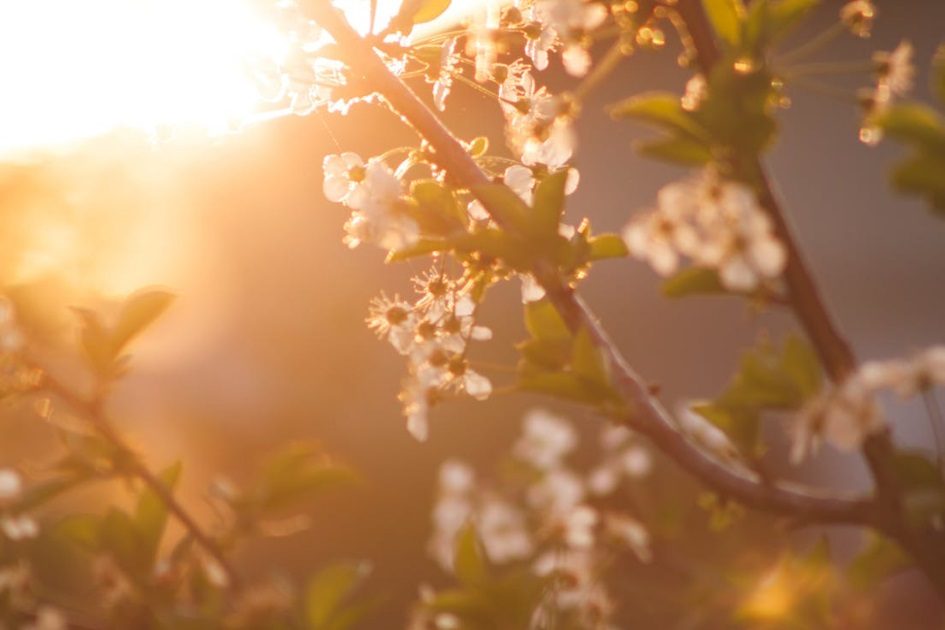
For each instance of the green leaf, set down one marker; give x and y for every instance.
(328, 591)
(81, 529)
(119, 536)
(880, 559)
(737, 112)
(545, 354)
(923, 175)
(138, 312)
(767, 379)
(741, 425)
(693, 281)
(549, 204)
(802, 365)
(661, 109)
(422, 247)
(678, 150)
(726, 17)
(437, 210)
(607, 246)
(469, 564)
(771, 20)
(505, 206)
(913, 123)
(786, 14)
(588, 362)
(478, 146)
(95, 340)
(294, 475)
(543, 321)
(151, 513)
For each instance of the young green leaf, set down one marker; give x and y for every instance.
(693, 281)
(500, 200)
(588, 362)
(543, 321)
(880, 559)
(683, 151)
(661, 109)
(138, 312)
(329, 590)
(468, 560)
(726, 17)
(607, 246)
(548, 205)
(915, 124)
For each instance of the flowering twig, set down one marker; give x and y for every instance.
(646, 414)
(834, 350)
(91, 410)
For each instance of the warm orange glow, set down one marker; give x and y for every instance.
(73, 70)
(772, 598)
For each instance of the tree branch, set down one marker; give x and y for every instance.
(648, 415)
(834, 351)
(92, 411)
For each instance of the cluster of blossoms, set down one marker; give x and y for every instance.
(550, 517)
(717, 224)
(298, 75)
(372, 191)
(846, 415)
(433, 333)
(538, 124)
(895, 75)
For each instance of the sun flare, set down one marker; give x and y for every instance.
(77, 70)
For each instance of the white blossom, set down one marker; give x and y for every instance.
(393, 319)
(844, 416)
(545, 440)
(449, 59)
(503, 530)
(558, 492)
(18, 527)
(717, 224)
(857, 16)
(630, 532)
(47, 618)
(895, 69)
(579, 527)
(456, 477)
(11, 485)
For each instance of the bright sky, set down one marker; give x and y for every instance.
(73, 70)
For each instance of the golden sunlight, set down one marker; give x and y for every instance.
(75, 70)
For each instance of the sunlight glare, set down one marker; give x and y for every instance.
(75, 70)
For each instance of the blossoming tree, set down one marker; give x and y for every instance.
(545, 544)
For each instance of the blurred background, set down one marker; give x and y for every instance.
(266, 341)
